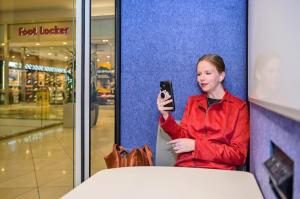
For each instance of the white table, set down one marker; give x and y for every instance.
(167, 183)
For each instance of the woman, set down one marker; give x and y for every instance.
(214, 130)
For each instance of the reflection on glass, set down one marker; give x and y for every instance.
(36, 88)
(266, 74)
(102, 81)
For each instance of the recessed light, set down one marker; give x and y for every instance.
(108, 62)
(27, 55)
(37, 44)
(49, 54)
(13, 56)
(107, 56)
(98, 59)
(2, 44)
(66, 57)
(64, 43)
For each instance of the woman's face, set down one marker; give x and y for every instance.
(208, 77)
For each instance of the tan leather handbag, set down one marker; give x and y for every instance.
(119, 157)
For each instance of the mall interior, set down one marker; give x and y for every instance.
(37, 94)
(133, 45)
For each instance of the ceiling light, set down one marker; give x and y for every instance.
(13, 56)
(37, 44)
(64, 43)
(27, 55)
(98, 59)
(108, 56)
(66, 57)
(49, 54)
(2, 44)
(108, 62)
(2, 169)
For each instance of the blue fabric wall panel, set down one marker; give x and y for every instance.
(141, 126)
(267, 126)
(162, 40)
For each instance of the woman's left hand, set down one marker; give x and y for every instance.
(182, 145)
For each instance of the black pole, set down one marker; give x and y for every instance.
(118, 71)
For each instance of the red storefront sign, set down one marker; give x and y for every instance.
(41, 30)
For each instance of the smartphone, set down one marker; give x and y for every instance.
(166, 92)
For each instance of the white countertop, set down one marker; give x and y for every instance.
(167, 183)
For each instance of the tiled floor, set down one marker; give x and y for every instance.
(39, 165)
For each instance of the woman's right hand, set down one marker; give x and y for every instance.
(161, 102)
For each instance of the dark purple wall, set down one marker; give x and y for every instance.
(267, 126)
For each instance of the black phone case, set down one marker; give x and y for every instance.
(167, 85)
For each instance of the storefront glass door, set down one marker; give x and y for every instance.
(37, 84)
(102, 89)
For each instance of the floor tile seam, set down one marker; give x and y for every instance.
(40, 157)
(54, 150)
(39, 170)
(35, 187)
(44, 167)
(35, 174)
(13, 160)
(17, 126)
(53, 180)
(58, 140)
(18, 187)
(29, 131)
(23, 193)
(52, 187)
(14, 178)
(55, 155)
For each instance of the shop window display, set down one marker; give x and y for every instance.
(105, 84)
(51, 83)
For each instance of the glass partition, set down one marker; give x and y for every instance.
(102, 88)
(37, 81)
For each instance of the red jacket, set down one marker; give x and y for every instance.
(221, 132)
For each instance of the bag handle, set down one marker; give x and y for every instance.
(120, 149)
(148, 153)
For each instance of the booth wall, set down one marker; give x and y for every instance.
(267, 126)
(162, 40)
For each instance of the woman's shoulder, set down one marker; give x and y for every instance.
(196, 99)
(236, 100)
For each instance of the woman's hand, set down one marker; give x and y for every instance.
(161, 102)
(182, 145)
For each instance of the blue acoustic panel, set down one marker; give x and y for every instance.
(267, 126)
(140, 120)
(162, 40)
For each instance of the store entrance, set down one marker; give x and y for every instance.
(37, 92)
(38, 74)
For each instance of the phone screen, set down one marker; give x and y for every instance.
(166, 92)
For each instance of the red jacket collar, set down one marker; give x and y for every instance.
(203, 99)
